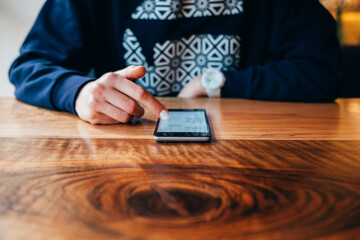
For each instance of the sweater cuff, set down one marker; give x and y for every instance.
(66, 91)
(237, 85)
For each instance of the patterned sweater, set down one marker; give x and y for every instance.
(283, 50)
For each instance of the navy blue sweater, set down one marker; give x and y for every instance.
(282, 50)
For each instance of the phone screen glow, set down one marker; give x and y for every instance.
(184, 121)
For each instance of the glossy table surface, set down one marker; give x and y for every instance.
(273, 171)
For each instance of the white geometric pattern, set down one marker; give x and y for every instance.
(177, 62)
(173, 9)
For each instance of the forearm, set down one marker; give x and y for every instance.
(287, 80)
(41, 83)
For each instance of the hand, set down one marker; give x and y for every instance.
(113, 98)
(193, 89)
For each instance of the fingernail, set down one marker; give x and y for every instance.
(164, 115)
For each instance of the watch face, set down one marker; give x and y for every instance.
(211, 82)
(213, 79)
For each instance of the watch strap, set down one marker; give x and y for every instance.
(214, 93)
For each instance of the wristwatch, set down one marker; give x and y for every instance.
(213, 80)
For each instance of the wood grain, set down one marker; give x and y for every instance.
(231, 119)
(89, 184)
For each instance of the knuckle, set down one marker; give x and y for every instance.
(140, 93)
(97, 89)
(122, 117)
(109, 77)
(92, 117)
(131, 106)
(127, 118)
(93, 102)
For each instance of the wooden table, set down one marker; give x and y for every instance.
(274, 171)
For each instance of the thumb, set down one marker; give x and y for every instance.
(132, 72)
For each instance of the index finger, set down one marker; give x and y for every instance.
(141, 95)
(132, 72)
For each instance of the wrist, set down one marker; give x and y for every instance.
(201, 88)
(81, 91)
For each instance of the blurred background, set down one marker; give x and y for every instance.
(347, 14)
(17, 17)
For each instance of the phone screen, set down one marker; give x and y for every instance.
(184, 121)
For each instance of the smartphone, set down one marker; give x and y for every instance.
(184, 125)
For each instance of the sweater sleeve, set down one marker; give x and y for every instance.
(304, 58)
(54, 59)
